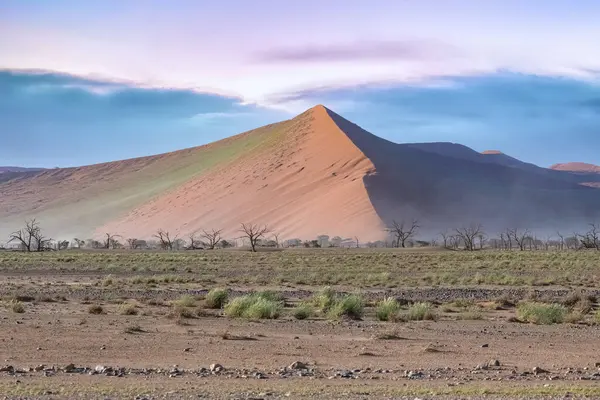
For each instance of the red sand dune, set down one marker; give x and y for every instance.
(577, 167)
(314, 174)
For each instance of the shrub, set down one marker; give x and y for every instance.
(253, 306)
(471, 314)
(541, 313)
(128, 309)
(216, 298)
(421, 312)
(597, 316)
(263, 309)
(185, 301)
(270, 295)
(95, 309)
(17, 307)
(179, 311)
(324, 298)
(303, 311)
(349, 306)
(387, 309)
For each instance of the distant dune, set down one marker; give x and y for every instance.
(314, 174)
(577, 167)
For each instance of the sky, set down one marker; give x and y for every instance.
(84, 82)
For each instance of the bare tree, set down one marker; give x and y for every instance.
(445, 238)
(111, 241)
(254, 233)
(276, 239)
(166, 242)
(212, 238)
(31, 237)
(561, 241)
(591, 239)
(80, 243)
(195, 244)
(403, 231)
(132, 243)
(62, 245)
(520, 238)
(468, 235)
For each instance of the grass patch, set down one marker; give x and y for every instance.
(421, 312)
(304, 311)
(16, 306)
(253, 306)
(179, 312)
(541, 313)
(216, 298)
(95, 309)
(471, 314)
(346, 306)
(185, 301)
(127, 309)
(387, 309)
(324, 299)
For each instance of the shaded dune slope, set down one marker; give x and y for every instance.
(449, 191)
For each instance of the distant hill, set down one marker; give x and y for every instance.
(19, 169)
(577, 167)
(317, 173)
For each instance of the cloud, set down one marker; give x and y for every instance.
(53, 119)
(537, 118)
(404, 50)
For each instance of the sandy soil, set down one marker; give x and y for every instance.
(59, 350)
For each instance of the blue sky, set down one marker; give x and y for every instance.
(130, 78)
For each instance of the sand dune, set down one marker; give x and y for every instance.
(577, 167)
(314, 174)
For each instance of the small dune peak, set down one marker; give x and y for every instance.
(492, 152)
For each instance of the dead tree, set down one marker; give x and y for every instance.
(212, 238)
(402, 231)
(195, 244)
(276, 239)
(166, 242)
(62, 245)
(561, 241)
(31, 237)
(468, 235)
(446, 238)
(591, 239)
(132, 243)
(254, 233)
(80, 243)
(111, 241)
(520, 238)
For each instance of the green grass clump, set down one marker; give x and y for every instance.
(179, 312)
(185, 301)
(253, 306)
(541, 313)
(304, 311)
(421, 312)
(471, 314)
(387, 309)
(349, 305)
(216, 298)
(324, 299)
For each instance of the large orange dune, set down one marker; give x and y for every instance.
(317, 173)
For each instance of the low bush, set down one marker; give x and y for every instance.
(420, 312)
(303, 311)
(17, 307)
(128, 309)
(324, 299)
(542, 313)
(216, 298)
(387, 309)
(95, 309)
(185, 301)
(253, 306)
(346, 306)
